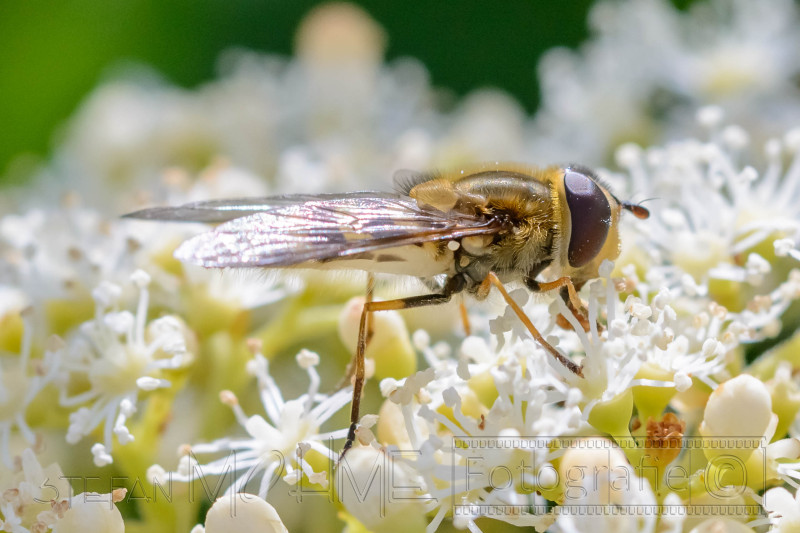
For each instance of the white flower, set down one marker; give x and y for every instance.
(121, 356)
(713, 211)
(597, 475)
(742, 408)
(35, 499)
(95, 509)
(27, 495)
(648, 66)
(278, 444)
(19, 385)
(59, 253)
(709, 272)
(52, 258)
(509, 322)
(737, 408)
(783, 509)
(521, 373)
(642, 334)
(365, 477)
(241, 512)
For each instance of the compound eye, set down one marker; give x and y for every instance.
(591, 217)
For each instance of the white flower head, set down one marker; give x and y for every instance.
(121, 356)
(709, 272)
(713, 213)
(277, 443)
(59, 253)
(521, 372)
(648, 67)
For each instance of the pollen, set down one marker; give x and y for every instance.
(453, 245)
(664, 438)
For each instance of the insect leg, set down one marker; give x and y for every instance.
(580, 315)
(351, 366)
(454, 285)
(568, 294)
(465, 318)
(368, 299)
(483, 290)
(560, 283)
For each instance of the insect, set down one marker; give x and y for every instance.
(462, 231)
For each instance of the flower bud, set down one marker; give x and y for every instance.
(739, 407)
(243, 512)
(91, 511)
(390, 345)
(358, 482)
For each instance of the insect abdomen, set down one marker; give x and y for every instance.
(424, 260)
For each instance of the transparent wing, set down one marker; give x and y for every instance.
(216, 211)
(289, 230)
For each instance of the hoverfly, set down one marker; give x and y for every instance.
(466, 230)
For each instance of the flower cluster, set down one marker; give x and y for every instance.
(648, 68)
(40, 499)
(685, 417)
(121, 356)
(280, 448)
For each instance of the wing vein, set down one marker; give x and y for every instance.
(289, 230)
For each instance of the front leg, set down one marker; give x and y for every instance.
(483, 290)
(568, 293)
(563, 283)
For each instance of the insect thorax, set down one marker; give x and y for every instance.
(521, 250)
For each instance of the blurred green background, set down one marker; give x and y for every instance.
(53, 53)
